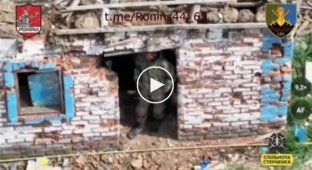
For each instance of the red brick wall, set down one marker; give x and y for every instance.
(219, 93)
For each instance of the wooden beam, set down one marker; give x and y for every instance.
(143, 4)
(134, 51)
(160, 27)
(122, 52)
(246, 4)
(298, 3)
(304, 32)
(195, 9)
(306, 7)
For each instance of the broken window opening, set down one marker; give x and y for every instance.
(40, 92)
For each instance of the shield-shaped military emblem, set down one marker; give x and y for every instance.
(28, 20)
(281, 18)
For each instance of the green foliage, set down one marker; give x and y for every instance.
(293, 146)
(300, 151)
(303, 53)
(290, 119)
(309, 131)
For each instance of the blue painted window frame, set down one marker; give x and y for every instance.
(61, 90)
(66, 83)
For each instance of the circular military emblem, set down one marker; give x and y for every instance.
(301, 109)
(301, 87)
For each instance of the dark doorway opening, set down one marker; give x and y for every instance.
(124, 66)
(24, 90)
(39, 92)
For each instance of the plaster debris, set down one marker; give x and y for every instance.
(245, 15)
(260, 15)
(137, 163)
(213, 15)
(86, 21)
(229, 15)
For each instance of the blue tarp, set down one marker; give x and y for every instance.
(301, 134)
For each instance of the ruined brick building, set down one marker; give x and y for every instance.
(234, 76)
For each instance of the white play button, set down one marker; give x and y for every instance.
(154, 85)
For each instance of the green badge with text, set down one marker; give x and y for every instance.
(301, 87)
(301, 109)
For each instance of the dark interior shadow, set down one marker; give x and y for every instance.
(167, 127)
(128, 97)
(24, 90)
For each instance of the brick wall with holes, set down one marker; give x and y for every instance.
(234, 87)
(88, 115)
(232, 83)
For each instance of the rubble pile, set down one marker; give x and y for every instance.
(305, 18)
(166, 15)
(92, 19)
(7, 19)
(260, 16)
(87, 21)
(157, 40)
(134, 41)
(154, 160)
(246, 15)
(229, 15)
(121, 41)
